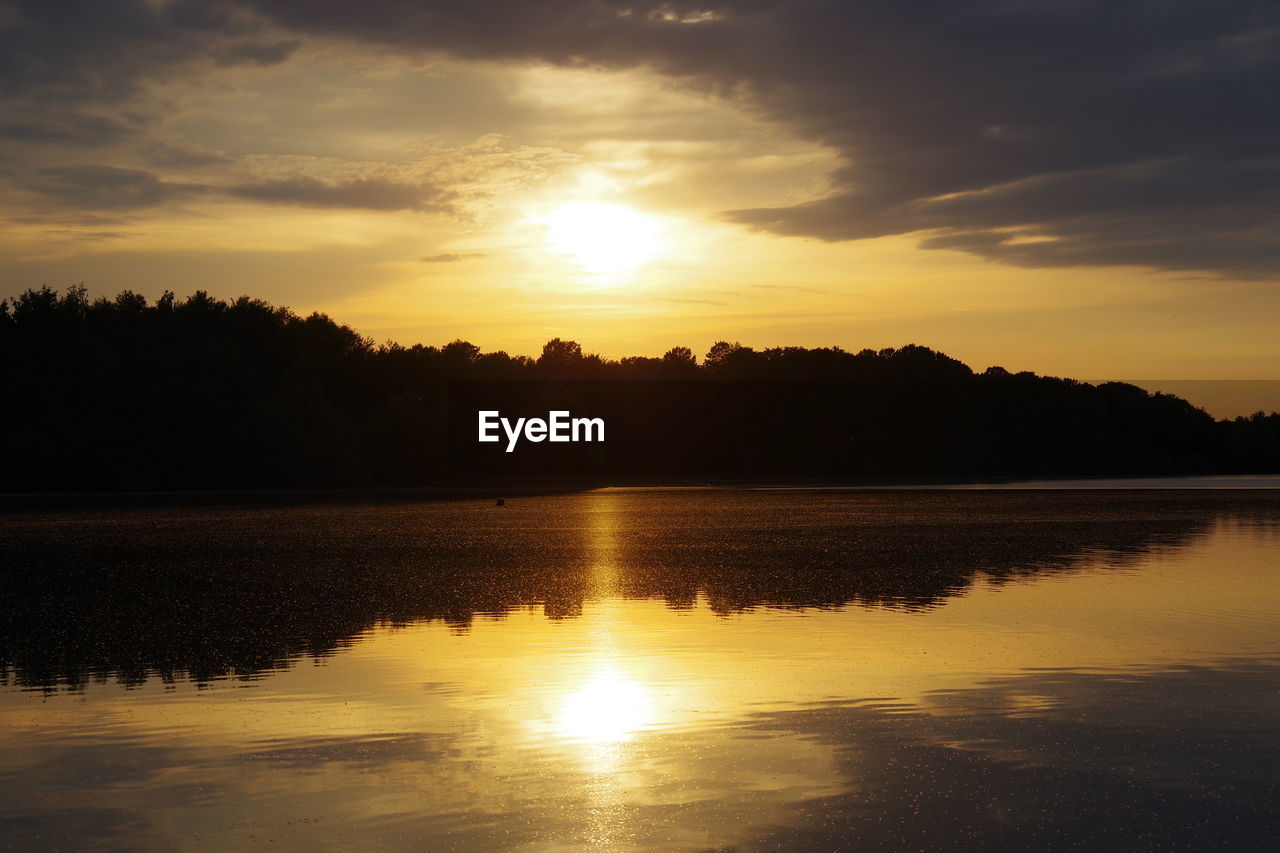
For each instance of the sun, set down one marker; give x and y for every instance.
(606, 240)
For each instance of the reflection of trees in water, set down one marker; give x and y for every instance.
(210, 592)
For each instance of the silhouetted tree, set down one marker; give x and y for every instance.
(720, 351)
(559, 358)
(202, 393)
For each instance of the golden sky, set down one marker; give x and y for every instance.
(642, 176)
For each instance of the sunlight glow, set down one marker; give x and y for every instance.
(608, 240)
(608, 709)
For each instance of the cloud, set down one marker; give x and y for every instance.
(79, 129)
(363, 193)
(964, 121)
(87, 236)
(449, 257)
(67, 193)
(252, 53)
(103, 188)
(1055, 133)
(64, 62)
(182, 156)
(77, 51)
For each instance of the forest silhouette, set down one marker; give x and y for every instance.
(202, 393)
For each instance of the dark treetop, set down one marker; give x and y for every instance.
(119, 394)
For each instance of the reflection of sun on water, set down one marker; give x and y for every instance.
(610, 241)
(607, 709)
(604, 705)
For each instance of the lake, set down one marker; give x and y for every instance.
(681, 669)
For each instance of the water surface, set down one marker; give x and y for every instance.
(637, 669)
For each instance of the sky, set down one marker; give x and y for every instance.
(1079, 188)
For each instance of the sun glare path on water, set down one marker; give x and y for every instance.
(607, 241)
(609, 708)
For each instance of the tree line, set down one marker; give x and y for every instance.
(204, 393)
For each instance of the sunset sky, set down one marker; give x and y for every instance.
(1078, 188)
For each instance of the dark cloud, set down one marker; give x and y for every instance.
(365, 193)
(182, 156)
(103, 188)
(256, 54)
(1111, 131)
(73, 190)
(37, 126)
(78, 51)
(69, 219)
(1136, 132)
(67, 61)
